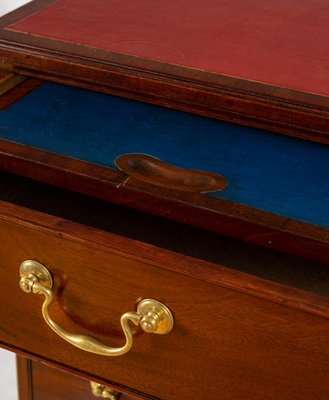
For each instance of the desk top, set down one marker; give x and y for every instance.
(281, 43)
(260, 63)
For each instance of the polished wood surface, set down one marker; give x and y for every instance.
(38, 381)
(151, 170)
(125, 222)
(19, 91)
(218, 215)
(24, 378)
(251, 320)
(248, 102)
(13, 87)
(276, 213)
(228, 326)
(8, 81)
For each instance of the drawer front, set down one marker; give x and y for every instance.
(225, 343)
(37, 381)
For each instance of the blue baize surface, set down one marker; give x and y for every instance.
(268, 171)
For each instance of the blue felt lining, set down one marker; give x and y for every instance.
(268, 171)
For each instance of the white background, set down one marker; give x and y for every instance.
(8, 5)
(8, 387)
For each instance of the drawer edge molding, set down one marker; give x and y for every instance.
(165, 259)
(218, 215)
(25, 364)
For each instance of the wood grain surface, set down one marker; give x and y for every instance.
(18, 91)
(180, 238)
(13, 87)
(38, 381)
(234, 334)
(214, 214)
(24, 378)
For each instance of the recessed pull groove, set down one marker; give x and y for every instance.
(152, 170)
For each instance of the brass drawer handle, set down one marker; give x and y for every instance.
(102, 391)
(151, 315)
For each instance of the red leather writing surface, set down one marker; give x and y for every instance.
(281, 42)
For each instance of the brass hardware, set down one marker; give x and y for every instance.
(151, 315)
(156, 317)
(31, 272)
(102, 391)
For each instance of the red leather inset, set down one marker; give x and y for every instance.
(281, 42)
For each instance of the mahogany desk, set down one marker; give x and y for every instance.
(112, 181)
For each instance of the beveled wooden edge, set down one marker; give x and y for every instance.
(4, 75)
(125, 61)
(54, 168)
(161, 258)
(218, 215)
(26, 366)
(283, 110)
(23, 87)
(24, 378)
(8, 81)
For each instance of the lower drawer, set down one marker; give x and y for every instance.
(37, 381)
(234, 337)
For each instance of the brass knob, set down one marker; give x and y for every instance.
(151, 315)
(103, 391)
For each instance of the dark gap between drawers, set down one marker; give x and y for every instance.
(195, 242)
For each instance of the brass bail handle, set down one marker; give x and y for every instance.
(151, 315)
(102, 391)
